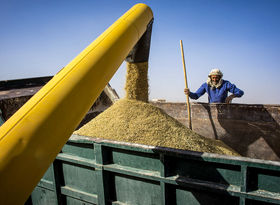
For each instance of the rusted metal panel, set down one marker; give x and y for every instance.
(14, 93)
(252, 130)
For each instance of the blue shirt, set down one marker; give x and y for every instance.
(217, 95)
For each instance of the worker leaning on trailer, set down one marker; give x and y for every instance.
(216, 88)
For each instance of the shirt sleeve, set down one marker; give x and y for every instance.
(234, 90)
(198, 93)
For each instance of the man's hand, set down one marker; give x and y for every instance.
(187, 91)
(229, 99)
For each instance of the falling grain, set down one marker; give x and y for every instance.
(137, 81)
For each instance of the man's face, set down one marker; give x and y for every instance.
(215, 79)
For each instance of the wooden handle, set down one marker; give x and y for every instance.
(186, 84)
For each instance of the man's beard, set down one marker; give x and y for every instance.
(212, 85)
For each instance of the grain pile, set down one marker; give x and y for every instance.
(134, 120)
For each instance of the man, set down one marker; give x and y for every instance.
(216, 88)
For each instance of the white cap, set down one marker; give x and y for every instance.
(215, 71)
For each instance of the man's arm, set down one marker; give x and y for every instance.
(197, 94)
(236, 92)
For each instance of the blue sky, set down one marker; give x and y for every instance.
(241, 37)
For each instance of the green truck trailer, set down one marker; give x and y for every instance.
(95, 171)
